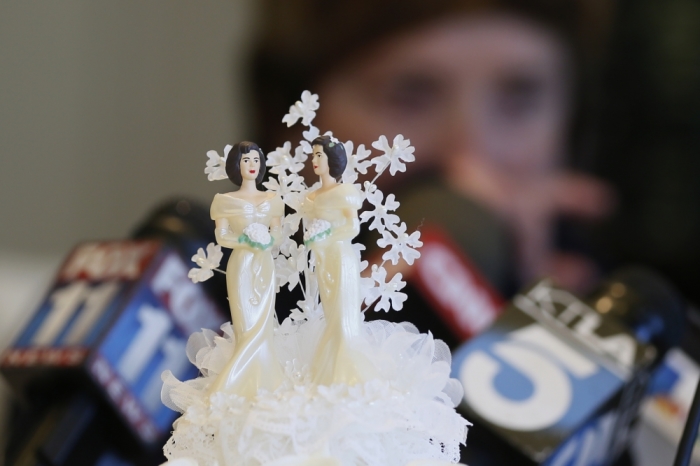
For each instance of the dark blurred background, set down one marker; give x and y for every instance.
(649, 138)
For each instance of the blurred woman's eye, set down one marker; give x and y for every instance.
(412, 92)
(519, 96)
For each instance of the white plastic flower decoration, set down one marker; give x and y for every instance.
(356, 162)
(299, 158)
(297, 315)
(312, 263)
(358, 248)
(366, 287)
(295, 199)
(311, 305)
(311, 134)
(402, 245)
(287, 245)
(216, 165)
(386, 292)
(287, 242)
(281, 160)
(370, 187)
(382, 219)
(285, 184)
(290, 267)
(304, 109)
(208, 261)
(283, 271)
(291, 222)
(394, 155)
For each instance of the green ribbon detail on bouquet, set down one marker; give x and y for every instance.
(245, 239)
(318, 237)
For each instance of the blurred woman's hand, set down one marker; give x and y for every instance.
(530, 201)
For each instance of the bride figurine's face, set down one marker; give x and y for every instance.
(319, 160)
(250, 165)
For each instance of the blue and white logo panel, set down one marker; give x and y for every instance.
(530, 380)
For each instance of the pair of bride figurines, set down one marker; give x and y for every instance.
(324, 388)
(242, 220)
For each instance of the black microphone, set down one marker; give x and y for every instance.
(558, 380)
(475, 231)
(116, 316)
(76, 430)
(455, 288)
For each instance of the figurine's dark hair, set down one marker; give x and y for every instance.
(233, 162)
(335, 151)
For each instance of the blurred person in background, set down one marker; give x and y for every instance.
(502, 101)
(490, 92)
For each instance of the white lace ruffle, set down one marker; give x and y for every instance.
(405, 415)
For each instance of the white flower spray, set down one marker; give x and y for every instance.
(293, 260)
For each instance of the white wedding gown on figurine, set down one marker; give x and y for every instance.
(250, 280)
(338, 274)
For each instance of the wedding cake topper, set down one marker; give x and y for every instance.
(323, 387)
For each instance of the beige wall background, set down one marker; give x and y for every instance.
(106, 108)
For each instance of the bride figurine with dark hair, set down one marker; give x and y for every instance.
(333, 224)
(243, 222)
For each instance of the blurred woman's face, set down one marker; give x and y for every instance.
(491, 89)
(485, 101)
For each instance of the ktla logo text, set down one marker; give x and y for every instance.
(527, 380)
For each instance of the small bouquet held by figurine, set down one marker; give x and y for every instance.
(324, 386)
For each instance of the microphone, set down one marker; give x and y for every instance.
(472, 229)
(455, 288)
(77, 430)
(116, 316)
(558, 380)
